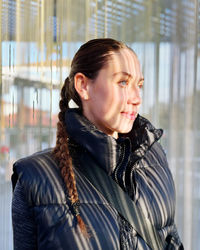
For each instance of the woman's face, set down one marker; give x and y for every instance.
(114, 96)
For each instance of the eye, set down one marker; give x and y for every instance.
(123, 83)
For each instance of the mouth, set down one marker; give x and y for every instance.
(129, 115)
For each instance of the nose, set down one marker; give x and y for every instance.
(134, 96)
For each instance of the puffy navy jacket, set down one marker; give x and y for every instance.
(135, 161)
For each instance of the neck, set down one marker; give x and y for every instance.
(107, 131)
(115, 135)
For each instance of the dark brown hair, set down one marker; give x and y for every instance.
(89, 60)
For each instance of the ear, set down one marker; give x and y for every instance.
(81, 84)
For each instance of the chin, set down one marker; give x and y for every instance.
(125, 130)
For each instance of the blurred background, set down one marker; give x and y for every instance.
(38, 39)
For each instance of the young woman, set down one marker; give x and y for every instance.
(106, 184)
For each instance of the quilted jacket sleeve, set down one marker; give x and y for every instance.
(24, 228)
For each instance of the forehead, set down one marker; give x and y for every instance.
(124, 61)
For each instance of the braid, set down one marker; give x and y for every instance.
(61, 153)
(88, 60)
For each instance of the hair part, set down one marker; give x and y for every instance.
(88, 60)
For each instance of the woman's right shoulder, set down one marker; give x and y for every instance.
(31, 164)
(39, 175)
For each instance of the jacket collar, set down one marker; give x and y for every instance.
(106, 149)
(142, 136)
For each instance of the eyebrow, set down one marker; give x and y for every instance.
(127, 74)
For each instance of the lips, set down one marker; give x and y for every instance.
(129, 115)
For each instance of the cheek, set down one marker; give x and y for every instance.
(120, 97)
(114, 102)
